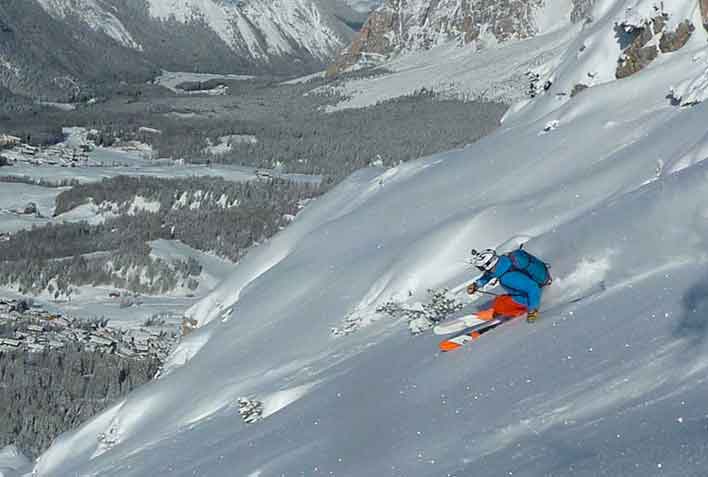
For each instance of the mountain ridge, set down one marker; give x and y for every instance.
(407, 26)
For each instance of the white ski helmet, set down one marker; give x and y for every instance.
(485, 260)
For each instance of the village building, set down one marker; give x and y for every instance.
(38, 330)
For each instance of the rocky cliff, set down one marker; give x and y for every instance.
(409, 25)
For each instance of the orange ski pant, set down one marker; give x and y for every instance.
(503, 305)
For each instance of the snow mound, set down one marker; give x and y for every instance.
(279, 400)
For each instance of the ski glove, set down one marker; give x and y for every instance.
(472, 288)
(532, 316)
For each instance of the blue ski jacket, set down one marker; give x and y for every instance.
(522, 288)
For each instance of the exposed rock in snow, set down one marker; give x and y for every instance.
(650, 38)
(251, 410)
(675, 40)
(581, 10)
(639, 53)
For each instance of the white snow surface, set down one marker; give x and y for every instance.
(11, 461)
(693, 90)
(110, 162)
(15, 196)
(215, 14)
(171, 79)
(282, 21)
(552, 15)
(614, 197)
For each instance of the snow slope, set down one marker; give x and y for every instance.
(613, 195)
(14, 197)
(256, 33)
(11, 461)
(94, 15)
(497, 73)
(274, 27)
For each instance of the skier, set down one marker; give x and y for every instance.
(521, 274)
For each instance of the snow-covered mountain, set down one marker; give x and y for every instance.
(44, 57)
(276, 36)
(263, 29)
(400, 26)
(94, 15)
(608, 185)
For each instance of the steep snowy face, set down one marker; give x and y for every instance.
(264, 28)
(287, 25)
(273, 27)
(94, 15)
(411, 25)
(218, 16)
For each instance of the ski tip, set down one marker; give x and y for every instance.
(458, 341)
(448, 346)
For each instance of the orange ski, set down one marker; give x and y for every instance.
(471, 334)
